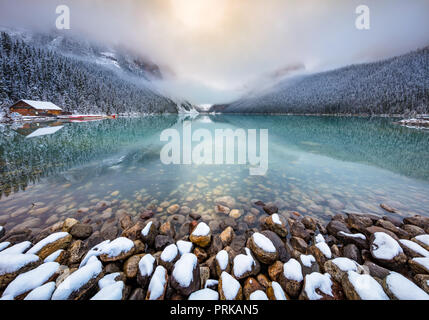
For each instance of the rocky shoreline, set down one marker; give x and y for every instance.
(285, 256)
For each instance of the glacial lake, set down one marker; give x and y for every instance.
(318, 166)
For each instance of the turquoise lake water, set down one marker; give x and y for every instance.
(318, 166)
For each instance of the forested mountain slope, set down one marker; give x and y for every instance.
(76, 76)
(395, 86)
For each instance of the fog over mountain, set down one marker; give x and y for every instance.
(216, 51)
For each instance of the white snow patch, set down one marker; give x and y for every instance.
(345, 264)
(366, 286)
(184, 247)
(13, 262)
(42, 293)
(204, 294)
(403, 288)
(263, 242)
(183, 270)
(211, 283)
(48, 240)
(319, 238)
(278, 291)
(352, 235)
(146, 229)
(202, 229)
(32, 279)
(17, 248)
(324, 248)
(94, 252)
(7, 298)
(415, 247)
(118, 246)
(230, 286)
(292, 270)
(307, 260)
(385, 247)
(108, 280)
(169, 253)
(276, 219)
(422, 261)
(4, 245)
(258, 295)
(242, 264)
(319, 281)
(146, 265)
(111, 292)
(222, 259)
(424, 238)
(52, 257)
(157, 283)
(78, 279)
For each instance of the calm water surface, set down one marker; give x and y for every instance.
(317, 165)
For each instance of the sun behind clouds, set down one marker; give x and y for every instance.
(200, 15)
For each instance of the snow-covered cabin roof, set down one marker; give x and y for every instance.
(42, 105)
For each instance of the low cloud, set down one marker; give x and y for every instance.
(217, 50)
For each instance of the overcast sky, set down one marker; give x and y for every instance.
(215, 50)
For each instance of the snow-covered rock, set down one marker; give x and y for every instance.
(42, 293)
(324, 248)
(158, 284)
(362, 287)
(185, 277)
(309, 264)
(4, 245)
(201, 235)
(149, 233)
(32, 279)
(275, 291)
(77, 285)
(263, 248)
(258, 295)
(357, 239)
(229, 288)
(400, 288)
(422, 240)
(114, 291)
(17, 248)
(318, 286)
(56, 256)
(169, 256)
(419, 265)
(109, 279)
(212, 284)
(338, 267)
(386, 250)
(12, 265)
(222, 262)
(184, 247)
(147, 266)
(413, 249)
(204, 294)
(95, 251)
(291, 279)
(244, 265)
(119, 249)
(50, 244)
(277, 224)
